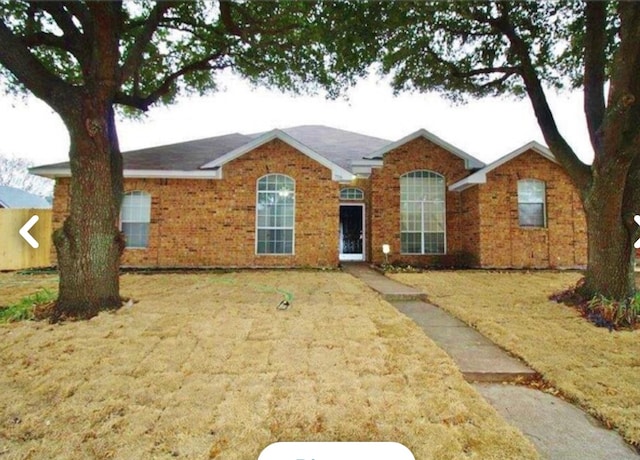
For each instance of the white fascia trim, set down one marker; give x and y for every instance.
(53, 173)
(362, 168)
(337, 173)
(469, 161)
(480, 177)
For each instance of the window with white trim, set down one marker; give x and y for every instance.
(422, 213)
(532, 203)
(351, 193)
(275, 214)
(135, 216)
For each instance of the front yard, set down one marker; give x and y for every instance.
(205, 366)
(598, 369)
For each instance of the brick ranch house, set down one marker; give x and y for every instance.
(314, 196)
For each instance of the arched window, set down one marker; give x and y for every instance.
(422, 213)
(275, 214)
(135, 215)
(351, 193)
(531, 203)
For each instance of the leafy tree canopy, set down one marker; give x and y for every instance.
(171, 48)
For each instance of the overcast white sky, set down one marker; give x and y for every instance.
(486, 129)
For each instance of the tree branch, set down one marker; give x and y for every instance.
(578, 171)
(62, 18)
(594, 70)
(46, 39)
(71, 40)
(134, 58)
(17, 58)
(508, 70)
(227, 19)
(143, 103)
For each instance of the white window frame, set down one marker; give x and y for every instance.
(147, 218)
(346, 194)
(526, 182)
(423, 212)
(258, 227)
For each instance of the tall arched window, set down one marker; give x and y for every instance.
(135, 216)
(422, 213)
(532, 203)
(275, 214)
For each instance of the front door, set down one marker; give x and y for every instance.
(351, 232)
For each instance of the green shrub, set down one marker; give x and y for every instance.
(23, 309)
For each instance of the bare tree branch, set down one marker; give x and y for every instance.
(14, 172)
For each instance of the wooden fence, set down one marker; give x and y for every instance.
(15, 252)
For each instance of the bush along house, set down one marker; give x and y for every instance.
(313, 196)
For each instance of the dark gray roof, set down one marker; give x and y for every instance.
(335, 145)
(11, 197)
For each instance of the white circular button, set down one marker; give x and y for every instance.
(335, 451)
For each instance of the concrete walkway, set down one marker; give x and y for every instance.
(557, 429)
(479, 359)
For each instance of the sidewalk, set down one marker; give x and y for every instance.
(558, 429)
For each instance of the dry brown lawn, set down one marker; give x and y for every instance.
(598, 369)
(204, 366)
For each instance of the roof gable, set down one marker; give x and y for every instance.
(480, 176)
(337, 172)
(470, 162)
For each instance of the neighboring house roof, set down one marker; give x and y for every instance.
(469, 161)
(480, 176)
(11, 197)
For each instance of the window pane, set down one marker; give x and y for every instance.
(136, 234)
(434, 243)
(351, 194)
(531, 215)
(531, 191)
(275, 214)
(411, 243)
(422, 213)
(275, 241)
(135, 215)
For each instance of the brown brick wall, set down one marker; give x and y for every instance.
(385, 195)
(505, 244)
(212, 222)
(470, 244)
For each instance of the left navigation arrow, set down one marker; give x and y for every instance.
(24, 232)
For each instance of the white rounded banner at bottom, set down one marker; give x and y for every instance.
(336, 451)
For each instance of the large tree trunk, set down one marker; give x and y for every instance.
(610, 235)
(89, 244)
